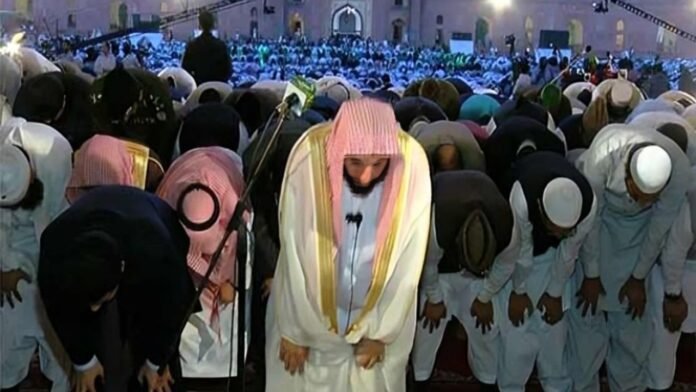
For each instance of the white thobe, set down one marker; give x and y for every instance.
(307, 271)
(535, 342)
(26, 326)
(356, 254)
(458, 292)
(204, 352)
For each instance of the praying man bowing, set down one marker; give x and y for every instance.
(354, 221)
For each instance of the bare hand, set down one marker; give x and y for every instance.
(155, 382)
(226, 293)
(588, 295)
(368, 353)
(483, 313)
(551, 307)
(674, 312)
(433, 314)
(293, 356)
(519, 303)
(266, 288)
(9, 280)
(85, 381)
(634, 291)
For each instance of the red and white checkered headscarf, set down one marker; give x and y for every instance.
(101, 160)
(220, 170)
(364, 127)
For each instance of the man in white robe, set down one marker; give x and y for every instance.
(354, 221)
(204, 185)
(640, 179)
(471, 255)
(672, 286)
(35, 166)
(553, 208)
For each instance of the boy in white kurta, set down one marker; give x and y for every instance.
(354, 219)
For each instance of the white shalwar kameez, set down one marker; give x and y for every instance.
(625, 241)
(674, 275)
(26, 327)
(536, 342)
(458, 291)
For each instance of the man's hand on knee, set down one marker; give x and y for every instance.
(293, 356)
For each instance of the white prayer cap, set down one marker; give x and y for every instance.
(650, 168)
(621, 94)
(525, 144)
(15, 175)
(562, 201)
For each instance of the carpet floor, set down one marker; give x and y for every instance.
(452, 373)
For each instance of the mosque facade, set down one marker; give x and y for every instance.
(425, 22)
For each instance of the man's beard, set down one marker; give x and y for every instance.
(362, 191)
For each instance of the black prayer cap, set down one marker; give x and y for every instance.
(410, 108)
(209, 125)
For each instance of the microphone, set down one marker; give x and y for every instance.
(357, 220)
(299, 95)
(354, 218)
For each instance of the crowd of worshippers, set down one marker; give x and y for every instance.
(366, 63)
(557, 227)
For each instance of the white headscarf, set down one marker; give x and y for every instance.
(34, 63)
(10, 78)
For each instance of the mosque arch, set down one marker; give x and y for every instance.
(398, 27)
(347, 20)
(481, 32)
(123, 16)
(296, 24)
(254, 23)
(576, 35)
(620, 34)
(666, 40)
(529, 30)
(254, 29)
(24, 7)
(118, 14)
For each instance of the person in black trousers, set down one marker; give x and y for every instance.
(207, 58)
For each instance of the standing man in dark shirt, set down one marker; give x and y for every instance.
(206, 57)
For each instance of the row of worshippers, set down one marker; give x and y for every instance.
(108, 221)
(313, 319)
(64, 188)
(542, 253)
(606, 263)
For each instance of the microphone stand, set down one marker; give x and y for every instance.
(237, 224)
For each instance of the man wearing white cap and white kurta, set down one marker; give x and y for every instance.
(622, 97)
(672, 303)
(640, 179)
(554, 209)
(35, 166)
